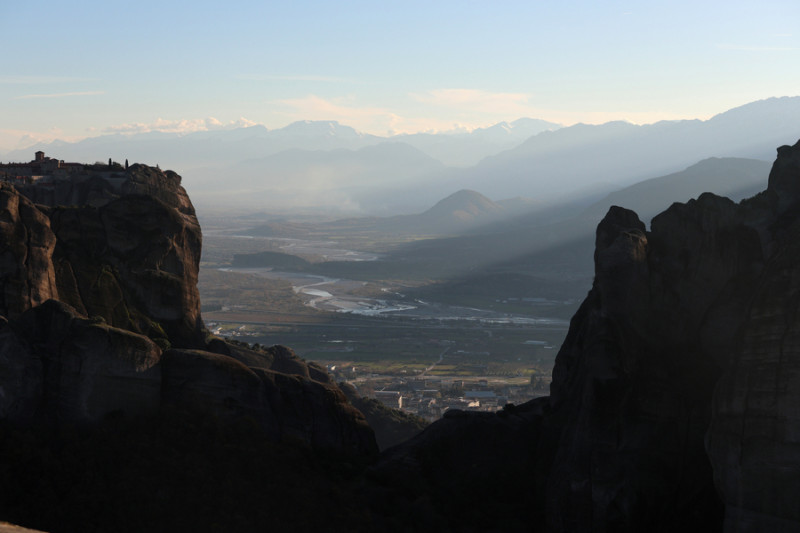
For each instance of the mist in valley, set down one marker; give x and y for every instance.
(504, 258)
(378, 267)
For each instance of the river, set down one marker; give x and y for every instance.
(338, 295)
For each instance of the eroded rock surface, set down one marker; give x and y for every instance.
(754, 437)
(673, 399)
(102, 318)
(27, 276)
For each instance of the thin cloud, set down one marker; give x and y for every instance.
(477, 101)
(13, 139)
(474, 106)
(748, 48)
(36, 80)
(179, 126)
(601, 117)
(59, 95)
(338, 106)
(292, 77)
(381, 120)
(313, 107)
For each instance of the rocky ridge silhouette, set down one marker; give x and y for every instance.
(673, 404)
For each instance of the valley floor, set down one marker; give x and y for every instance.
(407, 342)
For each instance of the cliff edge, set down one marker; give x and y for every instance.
(100, 316)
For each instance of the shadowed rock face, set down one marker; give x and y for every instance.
(132, 262)
(102, 316)
(79, 370)
(675, 385)
(27, 276)
(391, 426)
(131, 255)
(675, 401)
(754, 437)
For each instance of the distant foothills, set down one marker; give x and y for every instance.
(327, 168)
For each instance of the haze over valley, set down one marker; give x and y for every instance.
(329, 168)
(518, 264)
(326, 218)
(423, 266)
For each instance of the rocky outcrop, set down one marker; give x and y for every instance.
(27, 275)
(630, 397)
(678, 345)
(674, 400)
(132, 257)
(754, 437)
(102, 318)
(122, 246)
(5, 527)
(132, 262)
(287, 405)
(72, 369)
(468, 471)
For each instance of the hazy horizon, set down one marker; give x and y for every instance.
(211, 124)
(327, 168)
(384, 69)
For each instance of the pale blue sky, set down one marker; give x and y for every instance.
(77, 69)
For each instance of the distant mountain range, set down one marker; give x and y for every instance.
(305, 165)
(526, 243)
(482, 249)
(528, 253)
(617, 154)
(465, 149)
(469, 221)
(329, 167)
(215, 148)
(734, 177)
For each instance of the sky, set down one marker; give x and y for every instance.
(71, 70)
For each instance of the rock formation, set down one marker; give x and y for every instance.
(754, 437)
(27, 275)
(674, 406)
(101, 316)
(675, 400)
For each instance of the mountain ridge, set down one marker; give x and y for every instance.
(547, 165)
(625, 152)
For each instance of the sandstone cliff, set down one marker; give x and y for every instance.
(101, 316)
(675, 401)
